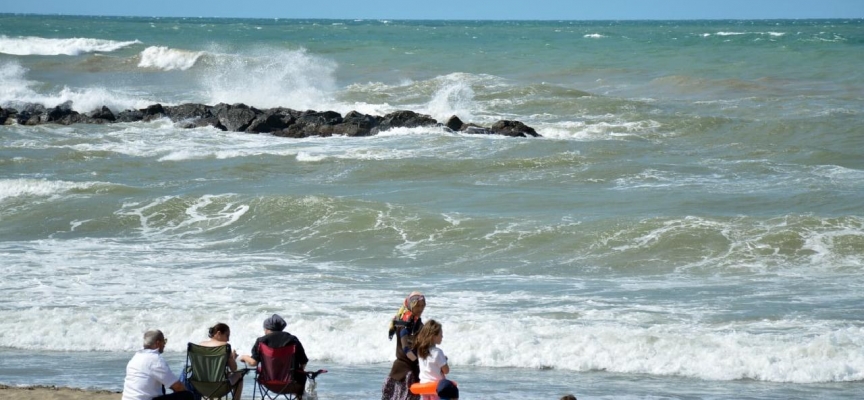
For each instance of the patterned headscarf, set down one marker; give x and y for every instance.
(405, 316)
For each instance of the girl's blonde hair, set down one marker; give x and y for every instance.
(425, 338)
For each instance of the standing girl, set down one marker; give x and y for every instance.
(433, 362)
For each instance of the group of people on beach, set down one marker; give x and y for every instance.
(418, 360)
(148, 374)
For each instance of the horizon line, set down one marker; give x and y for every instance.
(438, 19)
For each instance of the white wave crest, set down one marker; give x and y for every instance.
(307, 157)
(204, 214)
(31, 45)
(16, 89)
(272, 78)
(775, 34)
(39, 187)
(168, 59)
(454, 97)
(601, 128)
(593, 36)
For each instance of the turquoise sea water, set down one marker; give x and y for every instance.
(688, 226)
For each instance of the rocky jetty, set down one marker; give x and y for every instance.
(279, 121)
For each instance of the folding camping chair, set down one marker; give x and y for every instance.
(207, 371)
(276, 374)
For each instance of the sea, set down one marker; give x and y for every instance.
(689, 225)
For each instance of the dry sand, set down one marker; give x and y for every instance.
(54, 393)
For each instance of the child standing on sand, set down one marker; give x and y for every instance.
(433, 362)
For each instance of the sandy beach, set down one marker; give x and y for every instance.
(54, 393)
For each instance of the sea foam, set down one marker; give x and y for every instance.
(167, 59)
(16, 90)
(30, 45)
(105, 289)
(39, 187)
(272, 78)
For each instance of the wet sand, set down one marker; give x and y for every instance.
(54, 393)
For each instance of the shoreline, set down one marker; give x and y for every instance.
(40, 392)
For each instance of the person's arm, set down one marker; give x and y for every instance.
(445, 369)
(178, 387)
(232, 360)
(248, 360)
(162, 373)
(301, 357)
(252, 359)
(405, 341)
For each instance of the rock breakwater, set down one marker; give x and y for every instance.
(283, 122)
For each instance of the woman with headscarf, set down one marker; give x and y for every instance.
(405, 371)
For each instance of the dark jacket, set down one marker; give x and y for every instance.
(277, 340)
(405, 341)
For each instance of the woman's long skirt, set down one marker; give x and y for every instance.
(399, 389)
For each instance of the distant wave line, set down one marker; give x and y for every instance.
(32, 45)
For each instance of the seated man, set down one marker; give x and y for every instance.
(275, 337)
(147, 373)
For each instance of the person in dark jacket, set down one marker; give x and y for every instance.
(275, 337)
(406, 369)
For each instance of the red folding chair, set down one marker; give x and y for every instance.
(276, 376)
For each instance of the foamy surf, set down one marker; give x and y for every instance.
(16, 90)
(596, 337)
(272, 78)
(31, 45)
(12, 188)
(168, 59)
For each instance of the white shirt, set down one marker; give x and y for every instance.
(430, 367)
(146, 372)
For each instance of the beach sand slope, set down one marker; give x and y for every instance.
(54, 393)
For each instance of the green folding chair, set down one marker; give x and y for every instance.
(207, 371)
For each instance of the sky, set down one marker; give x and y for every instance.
(452, 9)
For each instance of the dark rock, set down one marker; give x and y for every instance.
(74, 118)
(33, 108)
(153, 112)
(102, 114)
(200, 123)
(240, 117)
(235, 117)
(273, 120)
(312, 123)
(211, 121)
(60, 112)
(320, 118)
(188, 111)
(472, 129)
(404, 119)
(356, 124)
(454, 124)
(129, 116)
(513, 129)
(30, 114)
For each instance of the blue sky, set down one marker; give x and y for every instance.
(452, 9)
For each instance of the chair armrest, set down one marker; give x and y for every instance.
(313, 375)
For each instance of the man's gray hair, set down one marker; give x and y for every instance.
(151, 336)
